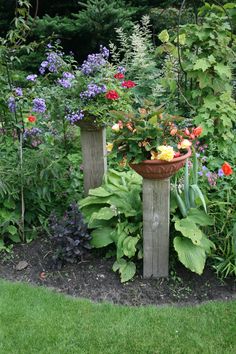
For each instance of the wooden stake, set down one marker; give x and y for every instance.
(93, 143)
(156, 197)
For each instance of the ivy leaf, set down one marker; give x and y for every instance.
(202, 64)
(193, 257)
(223, 70)
(164, 36)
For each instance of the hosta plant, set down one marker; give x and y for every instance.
(114, 214)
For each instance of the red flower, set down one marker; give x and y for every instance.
(197, 131)
(119, 76)
(32, 119)
(177, 154)
(112, 95)
(128, 84)
(226, 168)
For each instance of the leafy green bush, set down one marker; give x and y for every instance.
(114, 213)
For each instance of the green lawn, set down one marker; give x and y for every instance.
(35, 320)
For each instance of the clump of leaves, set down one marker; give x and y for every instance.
(70, 236)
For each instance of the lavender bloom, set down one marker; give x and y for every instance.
(28, 133)
(200, 173)
(12, 104)
(18, 91)
(92, 64)
(44, 64)
(105, 52)
(53, 63)
(65, 83)
(92, 91)
(121, 69)
(49, 46)
(220, 173)
(74, 117)
(39, 105)
(68, 75)
(41, 70)
(204, 168)
(208, 174)
(32, 77)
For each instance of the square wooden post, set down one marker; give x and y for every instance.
(156, 209)
(93, 144)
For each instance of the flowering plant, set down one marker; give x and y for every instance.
(151, 135)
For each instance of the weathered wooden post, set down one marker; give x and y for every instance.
(156, 227)
(93, 144)
(156, 212)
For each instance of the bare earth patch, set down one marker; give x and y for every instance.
(94, 279)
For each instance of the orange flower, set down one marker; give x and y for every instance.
(173, 131)
(32, 119)
(154, 155)
(226, 168)
(197, 131)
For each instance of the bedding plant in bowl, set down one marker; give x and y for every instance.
(154, 143)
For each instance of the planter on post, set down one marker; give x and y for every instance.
(156, 200)
(93, 144)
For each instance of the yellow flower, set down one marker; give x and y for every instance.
(115, 127)
(109, 147)
(167, 153)
(184, 144)
(154, 155)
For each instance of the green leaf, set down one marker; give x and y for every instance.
(199, 217)
(164, 36)
(198, 192)
(223, 70)
(126, 269)
(191, 256)
(105, 213)
(129, 246)
(9, 204)
(99, 192)
(211, 102)
(206, 244)
(102, 237)
(189, 229)
(202, 64)
(12, 229)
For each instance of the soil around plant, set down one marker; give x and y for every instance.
(93, 278)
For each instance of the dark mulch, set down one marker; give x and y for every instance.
(94, 279)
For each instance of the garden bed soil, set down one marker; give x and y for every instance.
(93, 278)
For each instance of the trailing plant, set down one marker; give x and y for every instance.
(190, 241)
(114, 214)
(69, 235)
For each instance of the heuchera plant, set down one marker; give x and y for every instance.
(151, 136)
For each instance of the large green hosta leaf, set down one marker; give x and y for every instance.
(126, 269)
(193, 257)
(189, 229)
(102, 237)
(199, 217)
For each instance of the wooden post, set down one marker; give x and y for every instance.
(156, 200)
(93, 144)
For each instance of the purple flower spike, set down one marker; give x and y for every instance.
(74, 117)
(39, 105)
(105, 52)
(220, 173)
(12, 104)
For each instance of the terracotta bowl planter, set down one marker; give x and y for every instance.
(158, 169)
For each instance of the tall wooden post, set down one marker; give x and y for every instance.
(156, 209)
(93, 143)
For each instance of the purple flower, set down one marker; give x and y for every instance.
(220, 173)
(204, 168)
(105, 52)
(31, 132)
(68, 75)
(18, 91)
(32, 77)
(74, 117)
(92, 64)
(121, 69)
(212, 178)
(92, 91)
(44, 64)
(39, 105)
(12, 104)
(41, 70)
(208, 174)
(65, 83)
(200, 173)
